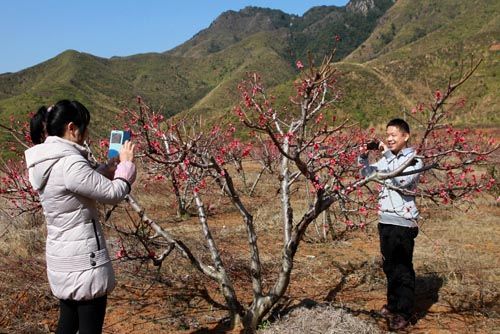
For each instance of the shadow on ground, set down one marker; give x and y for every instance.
(426, 293)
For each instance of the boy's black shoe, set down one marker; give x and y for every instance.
(398, 322)
(385, 312)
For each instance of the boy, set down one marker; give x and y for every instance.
(397, 227)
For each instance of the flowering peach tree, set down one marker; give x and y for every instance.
(304, 148)
(15, 188)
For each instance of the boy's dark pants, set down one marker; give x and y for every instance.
(396, 245)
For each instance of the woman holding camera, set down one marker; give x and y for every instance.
(78, 263)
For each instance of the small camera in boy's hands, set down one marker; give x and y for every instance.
(373, 144)
(116, 140)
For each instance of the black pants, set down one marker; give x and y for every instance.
(86, 316)
(396, 245)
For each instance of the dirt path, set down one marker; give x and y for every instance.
(402, 98)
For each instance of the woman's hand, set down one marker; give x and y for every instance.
(127, 152)
(108, 169)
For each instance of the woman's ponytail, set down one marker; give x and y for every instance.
(38, 126)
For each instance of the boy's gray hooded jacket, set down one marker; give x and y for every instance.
(78, 263)
(394, 207)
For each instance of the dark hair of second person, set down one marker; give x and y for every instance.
(400, 124)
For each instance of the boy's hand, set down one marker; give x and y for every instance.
(383, 147)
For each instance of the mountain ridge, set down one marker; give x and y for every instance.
(178, 79)
(390, 56)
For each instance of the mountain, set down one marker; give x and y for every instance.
(415, 48)
(391, 55)
(230, 28)
(315, 31)
(198, 76)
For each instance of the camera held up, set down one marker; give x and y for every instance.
(373, 144)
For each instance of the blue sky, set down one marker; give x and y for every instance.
(32, 31)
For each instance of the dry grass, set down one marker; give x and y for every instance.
(456, 260)
(21, 236)
(462, 248)
(321, 319)
(25, 298)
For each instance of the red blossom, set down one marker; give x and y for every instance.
(438, 95)
(104, 143)
(220, 160)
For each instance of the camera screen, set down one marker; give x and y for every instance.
(116, 138)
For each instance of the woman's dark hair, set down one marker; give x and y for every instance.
(37, 126)
(51, 121)
(400, 124)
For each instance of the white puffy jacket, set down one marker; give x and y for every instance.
(78, 263)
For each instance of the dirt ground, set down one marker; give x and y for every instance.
(456, 261)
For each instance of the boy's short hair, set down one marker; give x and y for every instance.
(400, 124)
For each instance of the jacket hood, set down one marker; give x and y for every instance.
(42, 157)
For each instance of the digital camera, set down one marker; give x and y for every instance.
(116, 140)
(373, 144)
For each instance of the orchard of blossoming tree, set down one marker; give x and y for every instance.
(301, 152)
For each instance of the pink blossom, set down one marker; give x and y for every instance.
(121, 253)
(363, 211)
(319, 118)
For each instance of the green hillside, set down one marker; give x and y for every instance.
(391, 56)
(71, 74)
(200, 75)
(260, 53)
(419, 44)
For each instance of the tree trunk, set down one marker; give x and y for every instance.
(181, 204)
(253, 316)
